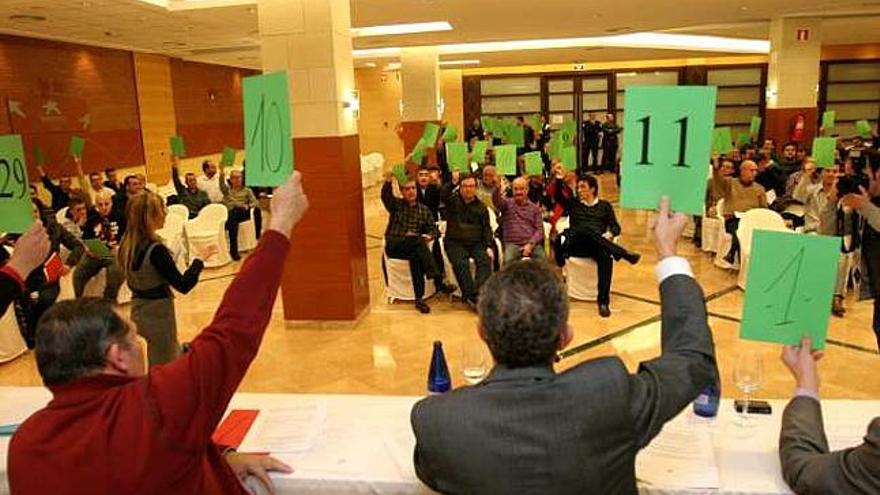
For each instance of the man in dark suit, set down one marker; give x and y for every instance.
(528, 430)
(807, 464)
(610, 132)
(592, 130)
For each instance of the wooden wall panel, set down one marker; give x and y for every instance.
(379, 121)
(208, 105)
(158, 122)
(51, 91)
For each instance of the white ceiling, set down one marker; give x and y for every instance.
(229, 35)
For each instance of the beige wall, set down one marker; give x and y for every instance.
(380, 94)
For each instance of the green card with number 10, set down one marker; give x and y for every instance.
(667, 137)
(15, 198)
(268, 144)
(789, 286)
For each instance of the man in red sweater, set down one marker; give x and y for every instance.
(112, 429)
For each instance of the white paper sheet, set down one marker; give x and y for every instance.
(680, 456)
(286, 429)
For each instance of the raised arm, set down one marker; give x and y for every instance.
(498, 200)
(390, 202)
(175, 175)
(663, 386)
(47, 182)
(192, 392)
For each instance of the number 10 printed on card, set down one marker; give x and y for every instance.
(667, 139)
(268, 147)
(789, 286)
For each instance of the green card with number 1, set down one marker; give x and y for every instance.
(267, 140)
(667, 137)
(15, 198)
(789, 286)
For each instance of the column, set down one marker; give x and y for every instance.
(325, 275)
(420, 88)
(793, 77)
(156, 107)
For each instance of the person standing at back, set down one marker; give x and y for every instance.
(592, 131)
(610, 142)
(528, 430)
(151, 272)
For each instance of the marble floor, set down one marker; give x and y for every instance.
(388, 351)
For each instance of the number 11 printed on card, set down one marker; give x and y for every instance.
(667, 139)
(268, 145)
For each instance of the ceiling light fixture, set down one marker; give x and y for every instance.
(392, 29)
(442, 63)
(665, 41)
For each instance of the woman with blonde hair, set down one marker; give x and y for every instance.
(151, 273)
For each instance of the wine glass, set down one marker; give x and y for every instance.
(748, 374)
(473, 363)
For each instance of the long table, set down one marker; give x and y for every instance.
(364, 444)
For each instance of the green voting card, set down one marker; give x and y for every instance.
(755, 126)
(228, 158)
(399, 172)
(743, 139)
(829, 119)
(557, 143)
(418, 152)
(722, 142)
(534, 164)
(456, 156)
(177, 147)
(505, 159)
(789, 286)
(76, 146)
(864, 128)
(478, 154)
(15, 198)
(534, 122)
(516, 135)
(450, 134)
(667, 137)
(487, 124)
(97, 247)
(267, 133)
(823, 151)
(569, 158)
(430, 134)
(39, 156)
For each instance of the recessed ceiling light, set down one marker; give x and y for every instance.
(27, 18)
(391, 29)
(472, 61)
(370, 65)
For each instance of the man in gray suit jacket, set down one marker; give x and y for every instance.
(528, 430)
(807, 464)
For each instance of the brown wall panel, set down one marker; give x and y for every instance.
(58, 90)
(779, 123)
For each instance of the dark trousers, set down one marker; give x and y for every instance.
(459, 255)
(871, 255)
(591, 245)
(421, 260)
(591, 150)
(30, 307)
(730, 226)
(237, 216)
(609, 157)
(88, 267)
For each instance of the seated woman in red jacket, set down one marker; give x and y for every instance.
(112, 429)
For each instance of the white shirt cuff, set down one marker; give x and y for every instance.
(673, 265)
(805, 392)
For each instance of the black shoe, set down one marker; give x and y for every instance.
(471, 304)
(730, 258)
(235, 256)
(422, 306)
(632, 258)
(445, 288)
(604, 311)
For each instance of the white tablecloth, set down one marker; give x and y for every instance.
(364, 444)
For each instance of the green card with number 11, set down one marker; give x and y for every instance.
(789, 286)
(267, 139)
(667, 138)
(15, 198)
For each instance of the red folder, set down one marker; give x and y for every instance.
(231, 432)
(52, 268)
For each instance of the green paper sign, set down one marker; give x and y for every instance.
(177, 147)
(450, 134)
(516, 135)
(418, 152)
(534, 164)
(487, 124)
(722, 142)
(76, 146)
(430, 134)
(790, 283)
(268, 145)
(864, 128)
(667, 137)
(39, 156)
(557, 143)
(97, 247)
(456, 156)
(743, 138)
(505, 159)
(829, 119)
(478, 154)
(228, 156)
(823, 151)
(15, 198)
(399, 172)
(534, 122)
(569, 158)
(755, 126)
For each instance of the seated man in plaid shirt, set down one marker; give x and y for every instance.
(410, 229)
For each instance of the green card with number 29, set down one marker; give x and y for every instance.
(667, 137)
(789, 286)
(268, 147)
(15, 198)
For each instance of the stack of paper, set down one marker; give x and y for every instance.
(286, 429)
(681, 456)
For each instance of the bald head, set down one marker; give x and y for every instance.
(520, 190)
(747, 171)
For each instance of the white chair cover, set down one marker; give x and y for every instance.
(582, 278)
(247, 234)
(758, 218)
(206, 230)
(11, 343)
(174, 238)
(178, 211)
(723, 242)
(398, 282)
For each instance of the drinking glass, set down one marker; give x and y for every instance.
(473, 362)
(748, 374)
